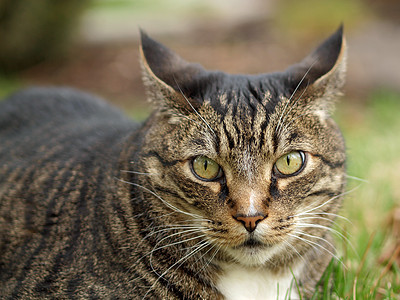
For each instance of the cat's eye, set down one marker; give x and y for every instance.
(290, 163)
(206, 169)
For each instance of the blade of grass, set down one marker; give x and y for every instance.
(362, 263)
(388, 266)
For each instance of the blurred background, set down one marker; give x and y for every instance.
(93, 45)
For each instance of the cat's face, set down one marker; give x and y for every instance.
(254, 162)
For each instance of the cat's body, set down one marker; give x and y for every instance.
(195, 203)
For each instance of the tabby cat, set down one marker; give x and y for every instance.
(227, 191)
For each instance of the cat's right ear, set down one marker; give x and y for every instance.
(167, 77)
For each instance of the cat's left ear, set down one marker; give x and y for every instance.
(322, 73)
(167, 77)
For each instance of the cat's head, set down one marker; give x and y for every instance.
(255, 161)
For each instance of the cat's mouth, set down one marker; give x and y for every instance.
(253, 252)
(251, 242)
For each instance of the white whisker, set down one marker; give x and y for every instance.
(165, 246)
(282, 125)
(301, 232)
(295, 250)
(294, 92)
(306, 225)
(138, 173)
(179, 242)
(334, 231)
(190, 119)
(155, 248)
(216, 248)
(311, 243)
(162, 200)
(186, 229)
(325, 203)
(297, 117)
(327, 214)
(357, 178)
(315, 218)
(201, 246)
(162, 216)
(197, 113)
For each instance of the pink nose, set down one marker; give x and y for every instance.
(250, 222)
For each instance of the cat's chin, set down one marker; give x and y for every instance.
(253, 254)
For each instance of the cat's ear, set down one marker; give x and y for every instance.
(167, 77)
(322, 72)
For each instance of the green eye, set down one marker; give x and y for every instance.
(205, 168)
(290, 163)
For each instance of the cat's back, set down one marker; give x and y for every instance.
(46, 132)
(53, 111)
(38, 121)
(59, 153)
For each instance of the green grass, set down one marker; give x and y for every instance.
(373, 141)
(8, 85)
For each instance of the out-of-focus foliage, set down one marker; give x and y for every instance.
(317, 17)
(32, 30)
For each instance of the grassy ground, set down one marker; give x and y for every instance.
(372, 133)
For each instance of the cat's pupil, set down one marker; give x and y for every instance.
(206, 168)
(290, 163)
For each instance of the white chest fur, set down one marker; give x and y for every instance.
(245, 283)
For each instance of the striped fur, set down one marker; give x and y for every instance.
(93, 205)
